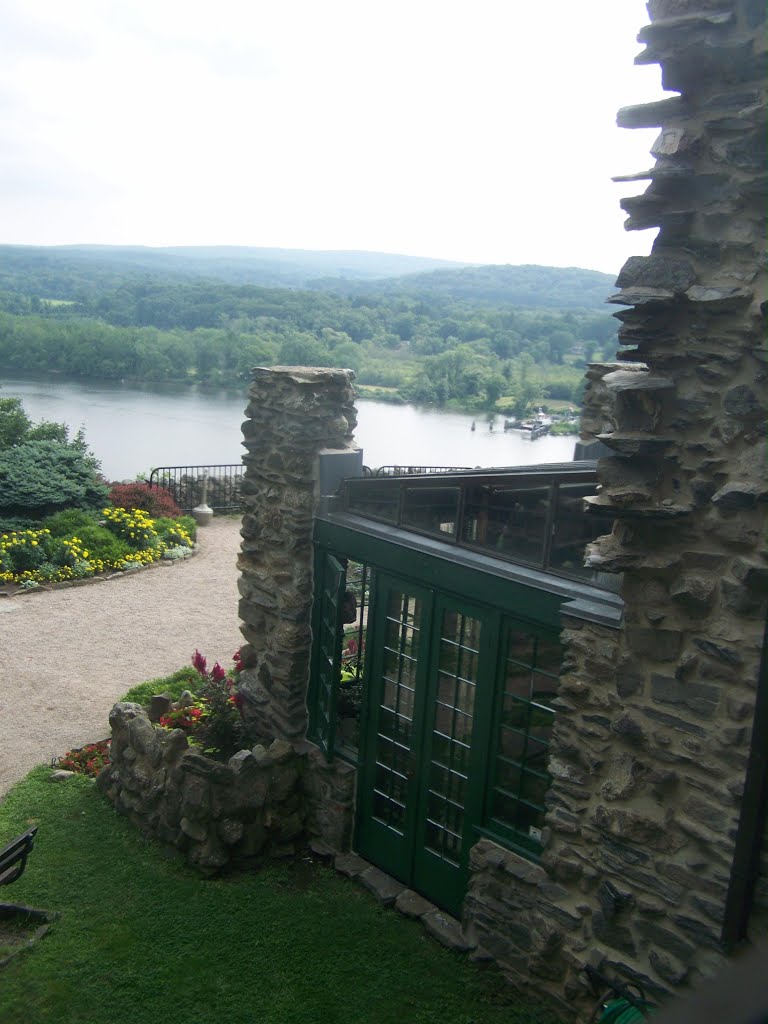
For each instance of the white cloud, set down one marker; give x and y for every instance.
(479, 131)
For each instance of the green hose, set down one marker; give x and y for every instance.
(621, 1011)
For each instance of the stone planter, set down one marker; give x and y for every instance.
(262, 805)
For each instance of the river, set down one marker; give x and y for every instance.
(132, 428)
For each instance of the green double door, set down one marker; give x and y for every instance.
(420, 781)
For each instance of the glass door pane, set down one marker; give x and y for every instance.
(452, 718)
(386, 793)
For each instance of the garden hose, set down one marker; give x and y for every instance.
(621, 1011)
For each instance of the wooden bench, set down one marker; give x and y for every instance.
(13, 857)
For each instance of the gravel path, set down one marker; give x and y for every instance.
(67, 655)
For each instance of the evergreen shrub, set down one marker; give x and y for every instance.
(39, 478)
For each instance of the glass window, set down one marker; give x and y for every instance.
(573, 529)
(354, 618)
(375, 499)
(524, 726)
(511, 521)
(431, 509)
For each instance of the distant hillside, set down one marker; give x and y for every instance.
(528, 285)
(63, 270)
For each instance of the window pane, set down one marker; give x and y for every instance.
(574, 528)
(520, 778)
(510, 520)
(431, 509)
(377, 499)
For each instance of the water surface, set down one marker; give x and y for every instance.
(132, 428)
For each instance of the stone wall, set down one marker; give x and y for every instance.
(243, 812)
(652, 738)
(293, 414)
(263, 804)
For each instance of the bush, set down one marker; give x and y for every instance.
(39, 478)
(10, 524)
(135, 527)
(157, 501)
(188, 523)
(68, 523)
(102, 544)
(172, 533)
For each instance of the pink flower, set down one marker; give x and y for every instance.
(218, 673)
(199, 662)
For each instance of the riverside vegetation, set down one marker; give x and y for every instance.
(502, 338)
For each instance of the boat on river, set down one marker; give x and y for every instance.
(539, 426)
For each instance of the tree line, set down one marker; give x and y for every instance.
(429, 347)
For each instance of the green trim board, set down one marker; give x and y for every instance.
(470, 574)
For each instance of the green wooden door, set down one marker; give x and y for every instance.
(418, 794)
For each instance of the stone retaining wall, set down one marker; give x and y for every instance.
(249, 810)
(265, 803)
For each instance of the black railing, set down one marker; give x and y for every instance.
(417, 470)
(185, 484)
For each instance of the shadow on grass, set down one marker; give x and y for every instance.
(143, 938)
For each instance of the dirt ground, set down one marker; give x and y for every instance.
(67, 655)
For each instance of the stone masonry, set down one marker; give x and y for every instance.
(652, 738)
(245, 812)
(293, 414)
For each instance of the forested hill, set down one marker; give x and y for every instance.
(76, 271)
(80, 272)
(483, 338)
(528, 285)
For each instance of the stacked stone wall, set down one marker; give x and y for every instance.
(293, 414)
(264, 804)
(652, 738)
(244, 812)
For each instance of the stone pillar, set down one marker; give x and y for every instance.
(651, 741)
(293, 414)
(653, 842)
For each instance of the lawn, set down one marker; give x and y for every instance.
(143, 938)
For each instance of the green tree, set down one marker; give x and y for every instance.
(39, 478)
(14, 422)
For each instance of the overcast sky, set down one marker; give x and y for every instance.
(481, 131)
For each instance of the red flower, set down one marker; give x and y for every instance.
(200, 663)
(218, 673)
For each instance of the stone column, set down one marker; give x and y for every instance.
(293, 414)
(651, 741)
(651, 841)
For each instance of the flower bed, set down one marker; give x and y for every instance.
(87, 760)
(75, 546)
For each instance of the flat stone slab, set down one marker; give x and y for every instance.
(410, 904)
(321, 849)
(350, 864)
(446, 930)
(385, 888)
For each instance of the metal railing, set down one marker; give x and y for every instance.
(417, 470)
(185, 485)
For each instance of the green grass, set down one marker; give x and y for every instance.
(142, 938)
(173, 686)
